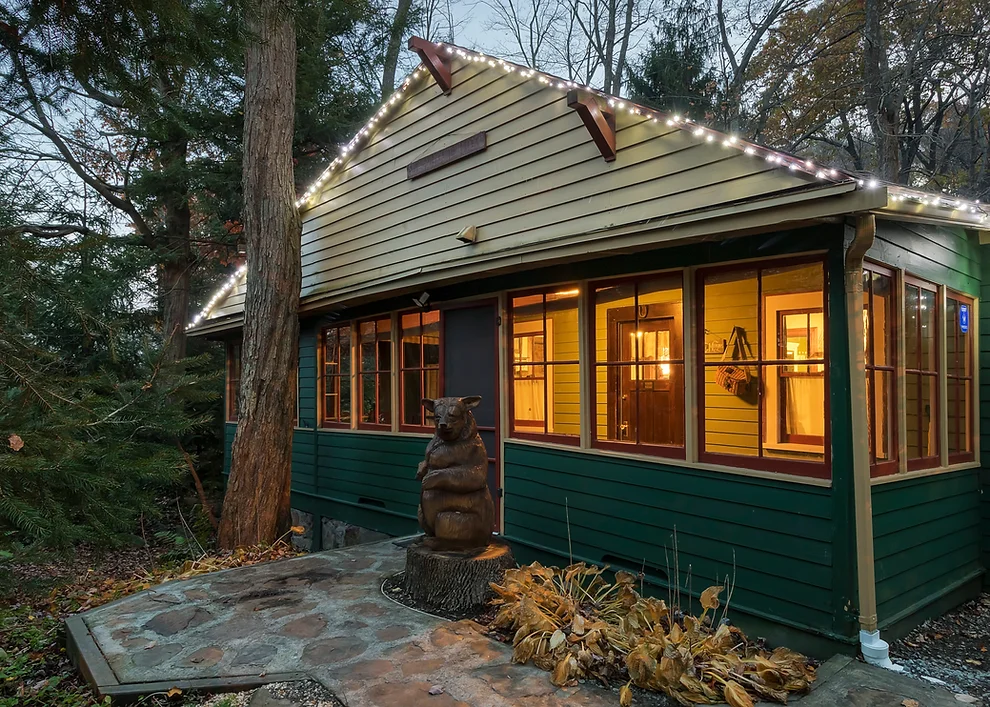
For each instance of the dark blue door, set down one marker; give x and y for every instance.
(470, 367)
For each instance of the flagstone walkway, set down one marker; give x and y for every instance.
(323, 617)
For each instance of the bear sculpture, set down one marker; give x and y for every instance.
(455, 507)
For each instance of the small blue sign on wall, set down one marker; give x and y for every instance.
(964, 318)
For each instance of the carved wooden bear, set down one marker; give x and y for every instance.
(455, 508)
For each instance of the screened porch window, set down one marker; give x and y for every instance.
(639, 365)
(545, 367)
(921, 369)
(233, 379)
(420, 365)
(376, 372)
(959, 377)
(764, 379)
(336, 409)
(879, 337)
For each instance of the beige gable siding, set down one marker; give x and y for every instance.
(233, 304)
(541, 180)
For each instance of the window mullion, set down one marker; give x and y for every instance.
(941, 369)
(900, 364)
(760, 370)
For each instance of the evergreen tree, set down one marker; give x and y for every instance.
(92, 411)
(137, 100)
(675, 73)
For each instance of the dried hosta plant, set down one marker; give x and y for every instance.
(575, 624)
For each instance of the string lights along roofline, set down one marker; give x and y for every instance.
(793, 163)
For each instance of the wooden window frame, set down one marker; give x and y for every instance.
(342, 379)
(547, 365)
(893, 333)
(426, 427)
(232, 383)
(378, 373)
(655, 450)
(962, 457)
(782, 433)
(934, 461)
(794, 467)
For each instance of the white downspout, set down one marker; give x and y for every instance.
(875, 649)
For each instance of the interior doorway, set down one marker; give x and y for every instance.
(645, 405)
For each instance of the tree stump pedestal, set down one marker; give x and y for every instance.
(455, 581)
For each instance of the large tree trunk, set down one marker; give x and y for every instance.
(175, 304)
(256, 507)
(178, 260)
(394, 45)
(881, 115)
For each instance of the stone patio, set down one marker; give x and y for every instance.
(323, 617)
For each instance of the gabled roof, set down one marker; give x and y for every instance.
(900, 202)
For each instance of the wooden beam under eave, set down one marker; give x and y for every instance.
(598, 119)
(438, 66)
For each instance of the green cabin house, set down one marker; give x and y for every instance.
(673, 330)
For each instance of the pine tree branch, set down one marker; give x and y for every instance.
(51, 230)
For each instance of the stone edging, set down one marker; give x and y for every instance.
(89, 660)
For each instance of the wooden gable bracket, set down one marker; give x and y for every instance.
(598, 119)
(437, 65)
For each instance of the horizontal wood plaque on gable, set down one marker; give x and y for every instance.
(448, 155)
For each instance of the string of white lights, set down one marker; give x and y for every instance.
(777, 158)
(219, 295)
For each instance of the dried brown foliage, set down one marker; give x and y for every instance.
(575, 624)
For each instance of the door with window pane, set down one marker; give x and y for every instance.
(645, 400)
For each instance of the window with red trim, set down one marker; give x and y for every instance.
(419, 367)
(764, 383)
(233, 379)
(336, 408)
(546, 377)
(639, 365)
(921, 373)
(959, 377)
(375, 374)
(879, 347)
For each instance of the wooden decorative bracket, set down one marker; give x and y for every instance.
(598, 119)
(437, 65)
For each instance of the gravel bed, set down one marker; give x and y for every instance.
(952, 650)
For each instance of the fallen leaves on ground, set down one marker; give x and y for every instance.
(34, 670)
(574, 624)
(89, 596)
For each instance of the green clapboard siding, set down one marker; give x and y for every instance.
(363, 479)
(942, 254)
(984, 357)
(926, 540)
(307, 375)
(374, 473)
(776, 535)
